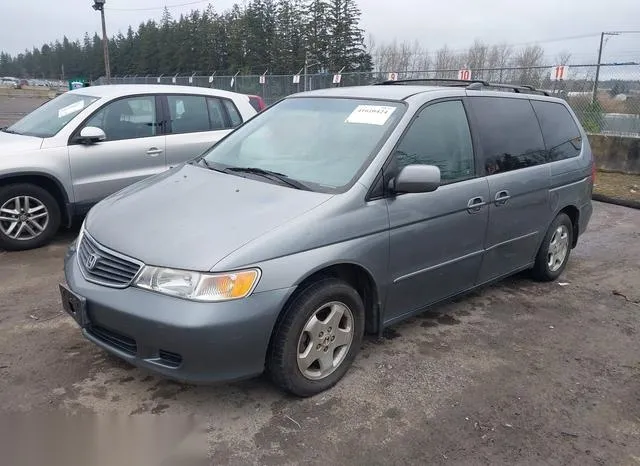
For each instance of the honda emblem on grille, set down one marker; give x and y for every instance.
(91, 261)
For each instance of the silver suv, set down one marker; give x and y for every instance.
(86, 144)
(330, 214)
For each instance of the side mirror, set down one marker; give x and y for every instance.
(91, 135)
(416, 179)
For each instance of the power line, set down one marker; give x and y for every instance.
(518, 44)
(158, 7)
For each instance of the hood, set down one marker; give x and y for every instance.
(191, 217)
(14, 143)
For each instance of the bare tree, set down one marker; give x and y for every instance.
(529, 62)
(445, 60)
(476, 59)
(563, 58)
(490, 62)
(404, 58)
(499, 59)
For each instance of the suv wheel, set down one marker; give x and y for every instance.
(554, 252)
(29, 217)
(318, 338)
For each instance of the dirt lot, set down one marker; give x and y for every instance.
(14, 107)
(519, 373)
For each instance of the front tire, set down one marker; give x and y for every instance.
(554, 252)
(29, 217)
(317, 339)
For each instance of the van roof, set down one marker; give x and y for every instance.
(374, 92)
(403, 90)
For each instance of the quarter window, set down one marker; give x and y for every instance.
(130, 118)
(510, 135)
(439, 136)
(560, 132)
(189, 114)
(234, 115)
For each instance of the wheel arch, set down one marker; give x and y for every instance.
(355, 275)
(47, 182)
(574, 215)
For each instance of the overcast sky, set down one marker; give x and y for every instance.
(457, 23)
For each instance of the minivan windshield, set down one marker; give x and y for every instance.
(323, 143)
(47, 120)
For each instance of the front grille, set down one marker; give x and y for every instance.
(170, 359)
(115, 339)
(105, 267)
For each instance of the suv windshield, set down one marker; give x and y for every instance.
(47, 120)
(321, 142)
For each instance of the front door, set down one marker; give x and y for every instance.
(437, 238)
(134, 149)
(513, 156)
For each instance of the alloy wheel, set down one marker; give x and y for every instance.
(23, 218)
(325, 340)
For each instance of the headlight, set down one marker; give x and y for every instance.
(76, 243)
(198, 286)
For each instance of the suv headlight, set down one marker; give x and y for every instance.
(197, 286)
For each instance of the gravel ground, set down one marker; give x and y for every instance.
(12, 108)
(518, 373)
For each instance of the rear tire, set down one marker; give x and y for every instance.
(308, 356)
(29, 217)
(555, 250)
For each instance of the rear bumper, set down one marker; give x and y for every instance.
(180, 339)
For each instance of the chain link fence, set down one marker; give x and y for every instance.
(613, 107)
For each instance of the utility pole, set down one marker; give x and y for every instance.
(98, 5)
(595, 84)
(594, 98)
(306, 69)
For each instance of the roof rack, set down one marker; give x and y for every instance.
(517, 88)
(472, 85)
(453, 82)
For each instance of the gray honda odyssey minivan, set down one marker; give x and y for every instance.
(331, 214)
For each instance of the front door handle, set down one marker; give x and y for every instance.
(475, 205)
(154, 151)
(502, 197)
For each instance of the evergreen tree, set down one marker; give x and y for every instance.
(259, 35)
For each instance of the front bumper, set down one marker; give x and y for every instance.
(183, 340)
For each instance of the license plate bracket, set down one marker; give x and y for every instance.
(75, 305)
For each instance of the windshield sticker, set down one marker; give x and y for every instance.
(370, 115)
(69, 109)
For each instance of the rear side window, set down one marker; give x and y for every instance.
(234, 115)
(439, 136)
(189, 114)
(216, 114)
(560, 132)
(509, 132)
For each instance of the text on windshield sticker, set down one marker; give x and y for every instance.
(370, 115)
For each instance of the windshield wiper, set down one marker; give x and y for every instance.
(274, 176)
(211, 167)
(7, 130)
